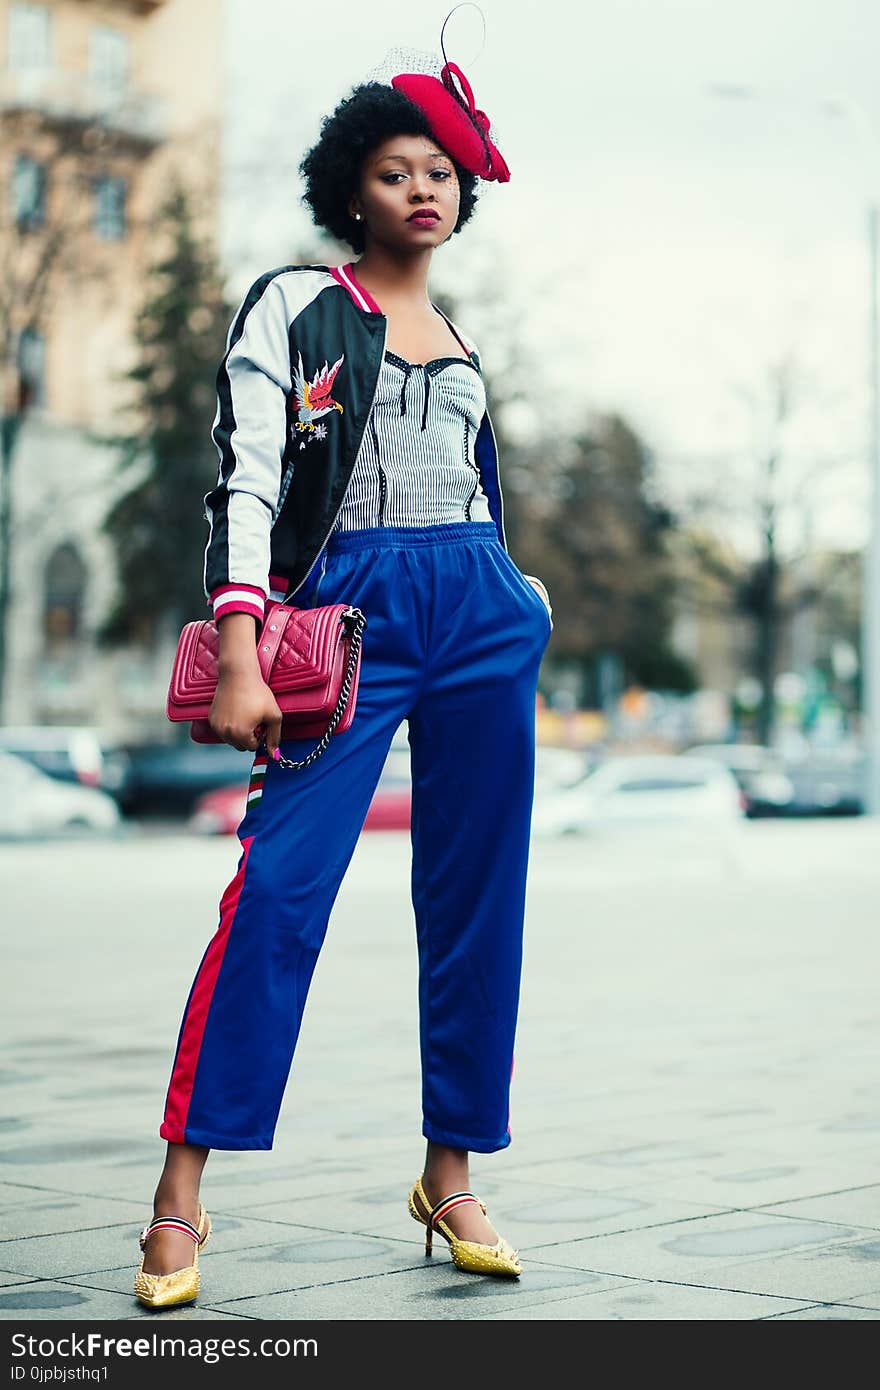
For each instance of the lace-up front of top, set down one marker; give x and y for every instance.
(416, 465)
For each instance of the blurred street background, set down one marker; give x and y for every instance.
(675, 298)
(676, 304)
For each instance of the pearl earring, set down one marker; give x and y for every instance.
(357, 217)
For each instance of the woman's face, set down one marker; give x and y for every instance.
(402, 178)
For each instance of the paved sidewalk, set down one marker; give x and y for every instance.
(695, 1110)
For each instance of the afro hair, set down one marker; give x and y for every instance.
(331, 169)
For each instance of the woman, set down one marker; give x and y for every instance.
(358, 465)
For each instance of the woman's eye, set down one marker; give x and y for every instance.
(396, 174)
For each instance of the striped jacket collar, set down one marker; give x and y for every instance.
(344, 275)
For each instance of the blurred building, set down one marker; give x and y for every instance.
(99, 101)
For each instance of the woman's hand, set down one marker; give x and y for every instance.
(541, 590)
(244, 710)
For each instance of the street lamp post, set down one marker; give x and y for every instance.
(9, 425)
(851, 110)
(870, 612)
(871, 566)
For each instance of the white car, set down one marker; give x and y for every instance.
(651, 789)
(759, 772)
(557, 767)
(33, 803)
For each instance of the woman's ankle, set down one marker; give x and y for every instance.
(176, 1200)
(177, 1191)
(438, 1184)
(445, 1171)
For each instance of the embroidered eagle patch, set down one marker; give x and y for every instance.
(313, 399)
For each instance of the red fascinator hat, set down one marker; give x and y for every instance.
(455, 121)
(445, 97)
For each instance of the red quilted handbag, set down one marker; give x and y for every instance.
(309, 657)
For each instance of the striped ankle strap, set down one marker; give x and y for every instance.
(448, 1204)
(170, 1223)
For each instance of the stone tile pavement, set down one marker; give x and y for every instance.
(695, 1110)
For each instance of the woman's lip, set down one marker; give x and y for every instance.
(423, 217)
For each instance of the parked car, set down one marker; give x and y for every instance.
(220, 812)
(167, 779)
(760, 774)
(33, 803)
(828, 782)
(68, 752)
(391, 804)
(654, 789)
(558, 767)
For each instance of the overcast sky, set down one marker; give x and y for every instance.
(661, 245)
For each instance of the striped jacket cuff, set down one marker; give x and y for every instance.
(238, 598)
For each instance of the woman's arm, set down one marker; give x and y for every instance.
(537, 584)
(250, 432)
(244, 708)
(249, 429)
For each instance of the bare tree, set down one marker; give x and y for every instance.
(735, 531)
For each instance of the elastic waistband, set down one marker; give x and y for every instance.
(408, 537)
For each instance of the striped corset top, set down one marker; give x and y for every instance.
(416, 464)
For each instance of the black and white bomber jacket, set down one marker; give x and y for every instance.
(294, 393)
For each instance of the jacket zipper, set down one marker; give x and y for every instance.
(290, 593)
(383, 481)
(467, 505)
(467, 436)
(321, 570)
(475, 465)
(498, 479)
(282, 493)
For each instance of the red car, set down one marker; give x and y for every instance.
(220, 812)
(390, 806)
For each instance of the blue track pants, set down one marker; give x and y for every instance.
(453, 646)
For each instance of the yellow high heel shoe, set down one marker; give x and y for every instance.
(181, 1285)
(468, 1255)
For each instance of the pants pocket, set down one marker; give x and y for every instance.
(530, 588)
(528, 578)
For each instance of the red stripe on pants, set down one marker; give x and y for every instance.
(183, 1075)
